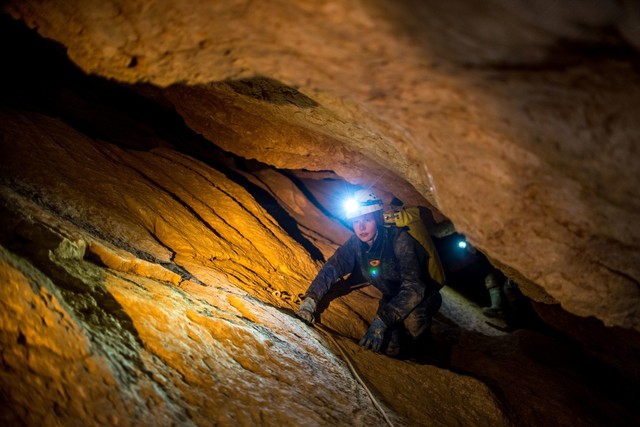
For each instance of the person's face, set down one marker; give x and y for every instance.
(365, 228)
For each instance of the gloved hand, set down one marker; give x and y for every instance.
(373, 338)
(306, 310)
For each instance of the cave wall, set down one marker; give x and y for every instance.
(515, 120)
(107, 320)
(145, 287)
(146, 270)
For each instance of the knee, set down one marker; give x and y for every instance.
(419, 320)
(416, 325)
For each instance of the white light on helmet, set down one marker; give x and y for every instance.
(351, 205)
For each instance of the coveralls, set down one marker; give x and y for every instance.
(410, 296)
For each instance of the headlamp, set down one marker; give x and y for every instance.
(351, 205)
(362, 202)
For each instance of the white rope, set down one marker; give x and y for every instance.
(328, 334)
(325, 331)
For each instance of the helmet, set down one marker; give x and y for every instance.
(362, 202)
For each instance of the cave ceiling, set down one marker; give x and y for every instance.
(515, 120)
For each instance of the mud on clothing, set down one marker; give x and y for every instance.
(410, 295)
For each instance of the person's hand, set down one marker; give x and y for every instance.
(373, 338)
(306, 310)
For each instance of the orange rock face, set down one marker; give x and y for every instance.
(495, 116)
(156, 233)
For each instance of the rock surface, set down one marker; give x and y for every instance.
(150, 297)
(516, 121)
(148, 277)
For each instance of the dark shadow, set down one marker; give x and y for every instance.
(465, 270)
(423, 23)
(272, 91)
(309, 195)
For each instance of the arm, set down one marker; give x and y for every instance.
(341, 263)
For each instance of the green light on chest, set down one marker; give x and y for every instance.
(374, 267)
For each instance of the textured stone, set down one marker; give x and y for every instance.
(175, 267)
(202, 350)
(502, 116)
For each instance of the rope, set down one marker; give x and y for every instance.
(328, 333)
(347, 360)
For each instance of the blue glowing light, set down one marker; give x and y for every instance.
(350, 205)
(462, 244)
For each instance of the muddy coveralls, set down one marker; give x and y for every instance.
(397, 265)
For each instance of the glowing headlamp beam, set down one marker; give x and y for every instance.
(351, 205)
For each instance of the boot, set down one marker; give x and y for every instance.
(495, 310)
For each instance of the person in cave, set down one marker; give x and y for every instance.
(395, 263)
(497, 286)
(507, 302)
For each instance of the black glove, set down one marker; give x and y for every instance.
(373, 338)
